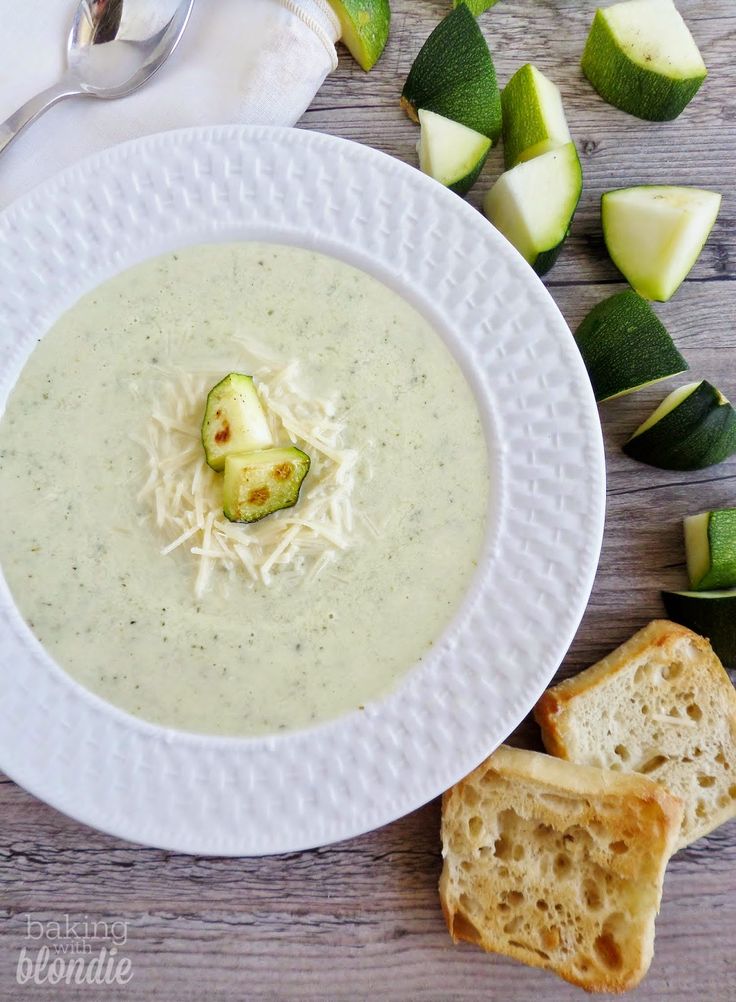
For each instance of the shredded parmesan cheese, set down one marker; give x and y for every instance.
(183, 496)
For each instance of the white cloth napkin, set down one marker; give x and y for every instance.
(251, 61)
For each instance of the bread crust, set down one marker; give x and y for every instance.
(624, 806)
(555, 712)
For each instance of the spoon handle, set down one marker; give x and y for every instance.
(27, 113)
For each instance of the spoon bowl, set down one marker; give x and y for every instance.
(114, 47)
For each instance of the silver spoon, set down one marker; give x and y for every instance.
(114, 46)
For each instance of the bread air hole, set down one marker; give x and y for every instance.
(592, 895)
(623, 752)
(671, 672)
(542, 905)
(463, 928)
(475, 826)
(619, 847)
(470, 796)
(502, 847)
(512, 925)
(515, 898)
(562, 864)
(732, 792)
(643, 673)
(706, 780)
(609, 951)
(656, 762)
(694, 712)
(700, 810)
(721, 760)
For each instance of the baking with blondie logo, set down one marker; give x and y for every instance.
(80, 951)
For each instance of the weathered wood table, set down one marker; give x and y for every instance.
(362, 919)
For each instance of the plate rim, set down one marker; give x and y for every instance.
(32, 775)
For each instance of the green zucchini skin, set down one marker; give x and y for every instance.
(546, 260)
(625, 346)
(463, 186)
(476, 6)
(258, 483)
(625, 84)
(713, 615)
(699, 432)
(365, 26)
(722, 552)
(454, 76)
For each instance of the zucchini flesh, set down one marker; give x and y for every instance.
(451, 153)
(710, 545)
(454, 76)
(711, 614)
(626, 347)
(261, 482)
(694, 427)
(234, 420)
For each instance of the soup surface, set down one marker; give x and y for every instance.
(81, 550)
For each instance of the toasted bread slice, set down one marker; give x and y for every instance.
(662, 705)
(558, 865)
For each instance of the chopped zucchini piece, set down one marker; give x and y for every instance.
(234, 420)
(626, 347)
(476, 6)
(533, 204)
(451, 153)
(694, 427)
(710, 544)
(364, 26)
(712, 614)
(641, 57)
(655, 233)
(454, 76)
(259, 483)
(533, 117)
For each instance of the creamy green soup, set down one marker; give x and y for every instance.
(82, 555)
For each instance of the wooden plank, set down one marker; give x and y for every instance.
(361, 919)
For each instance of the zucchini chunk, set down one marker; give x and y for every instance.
(451, 153)
(641, 57)
(655, 233)
(259, 483)
(710, 544)
(533, 117)
(454, 76)
(694, 427)
(712, 614)
(626, 347)
(234, 420)
(364, 26)
(533, 204)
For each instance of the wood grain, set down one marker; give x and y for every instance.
(361, 919)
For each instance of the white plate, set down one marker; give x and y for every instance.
(230, 796)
